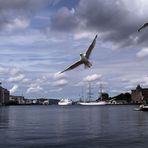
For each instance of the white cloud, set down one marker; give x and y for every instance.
(3, 70)
(60, 83)
(93, 77)
(72, 10)
(83, 34)
(79, 84)
(14, 89)
(56, 90)
(24, 39)
(130, 82)
(129, 87)
(9, 70)
(34, 88)
(142, 53)
(17, 23)
(14, 71)
(41, 80)
(115, 91)
(25, 80)
(16, 78)
(125, 80)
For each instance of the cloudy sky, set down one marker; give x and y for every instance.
(40, 38)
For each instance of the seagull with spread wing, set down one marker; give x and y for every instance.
(84, 58)
(145, 25)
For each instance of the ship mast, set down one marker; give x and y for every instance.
(101, 87)
(82, 94)
(89, 91)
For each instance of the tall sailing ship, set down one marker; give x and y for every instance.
(91, 103)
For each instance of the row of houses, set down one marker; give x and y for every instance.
(7, 99)
(20, 100)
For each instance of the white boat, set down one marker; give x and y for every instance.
(93, 103)
(65, 102)
(142, 107)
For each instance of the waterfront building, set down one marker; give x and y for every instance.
(139, 95)
(4, 96)
(18, 99)
(29, 101)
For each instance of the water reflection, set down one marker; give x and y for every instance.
(4, 117)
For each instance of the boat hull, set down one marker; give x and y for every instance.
(93, 103)
(65, 103)
(143, 108)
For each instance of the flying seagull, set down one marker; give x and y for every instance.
(84, 58)
(145, 25)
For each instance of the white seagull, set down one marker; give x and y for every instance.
(145, 25)
(84, 58)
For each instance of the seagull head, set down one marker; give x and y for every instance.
(81, 54)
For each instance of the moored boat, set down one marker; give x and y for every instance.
(93, 103)
(65, 102)
(143, 107)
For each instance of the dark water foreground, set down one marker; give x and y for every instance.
(73, 127)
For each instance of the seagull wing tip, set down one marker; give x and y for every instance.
(62, 72)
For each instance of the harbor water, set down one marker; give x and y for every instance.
(109, 126)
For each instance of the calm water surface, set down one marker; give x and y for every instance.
(73, 127)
